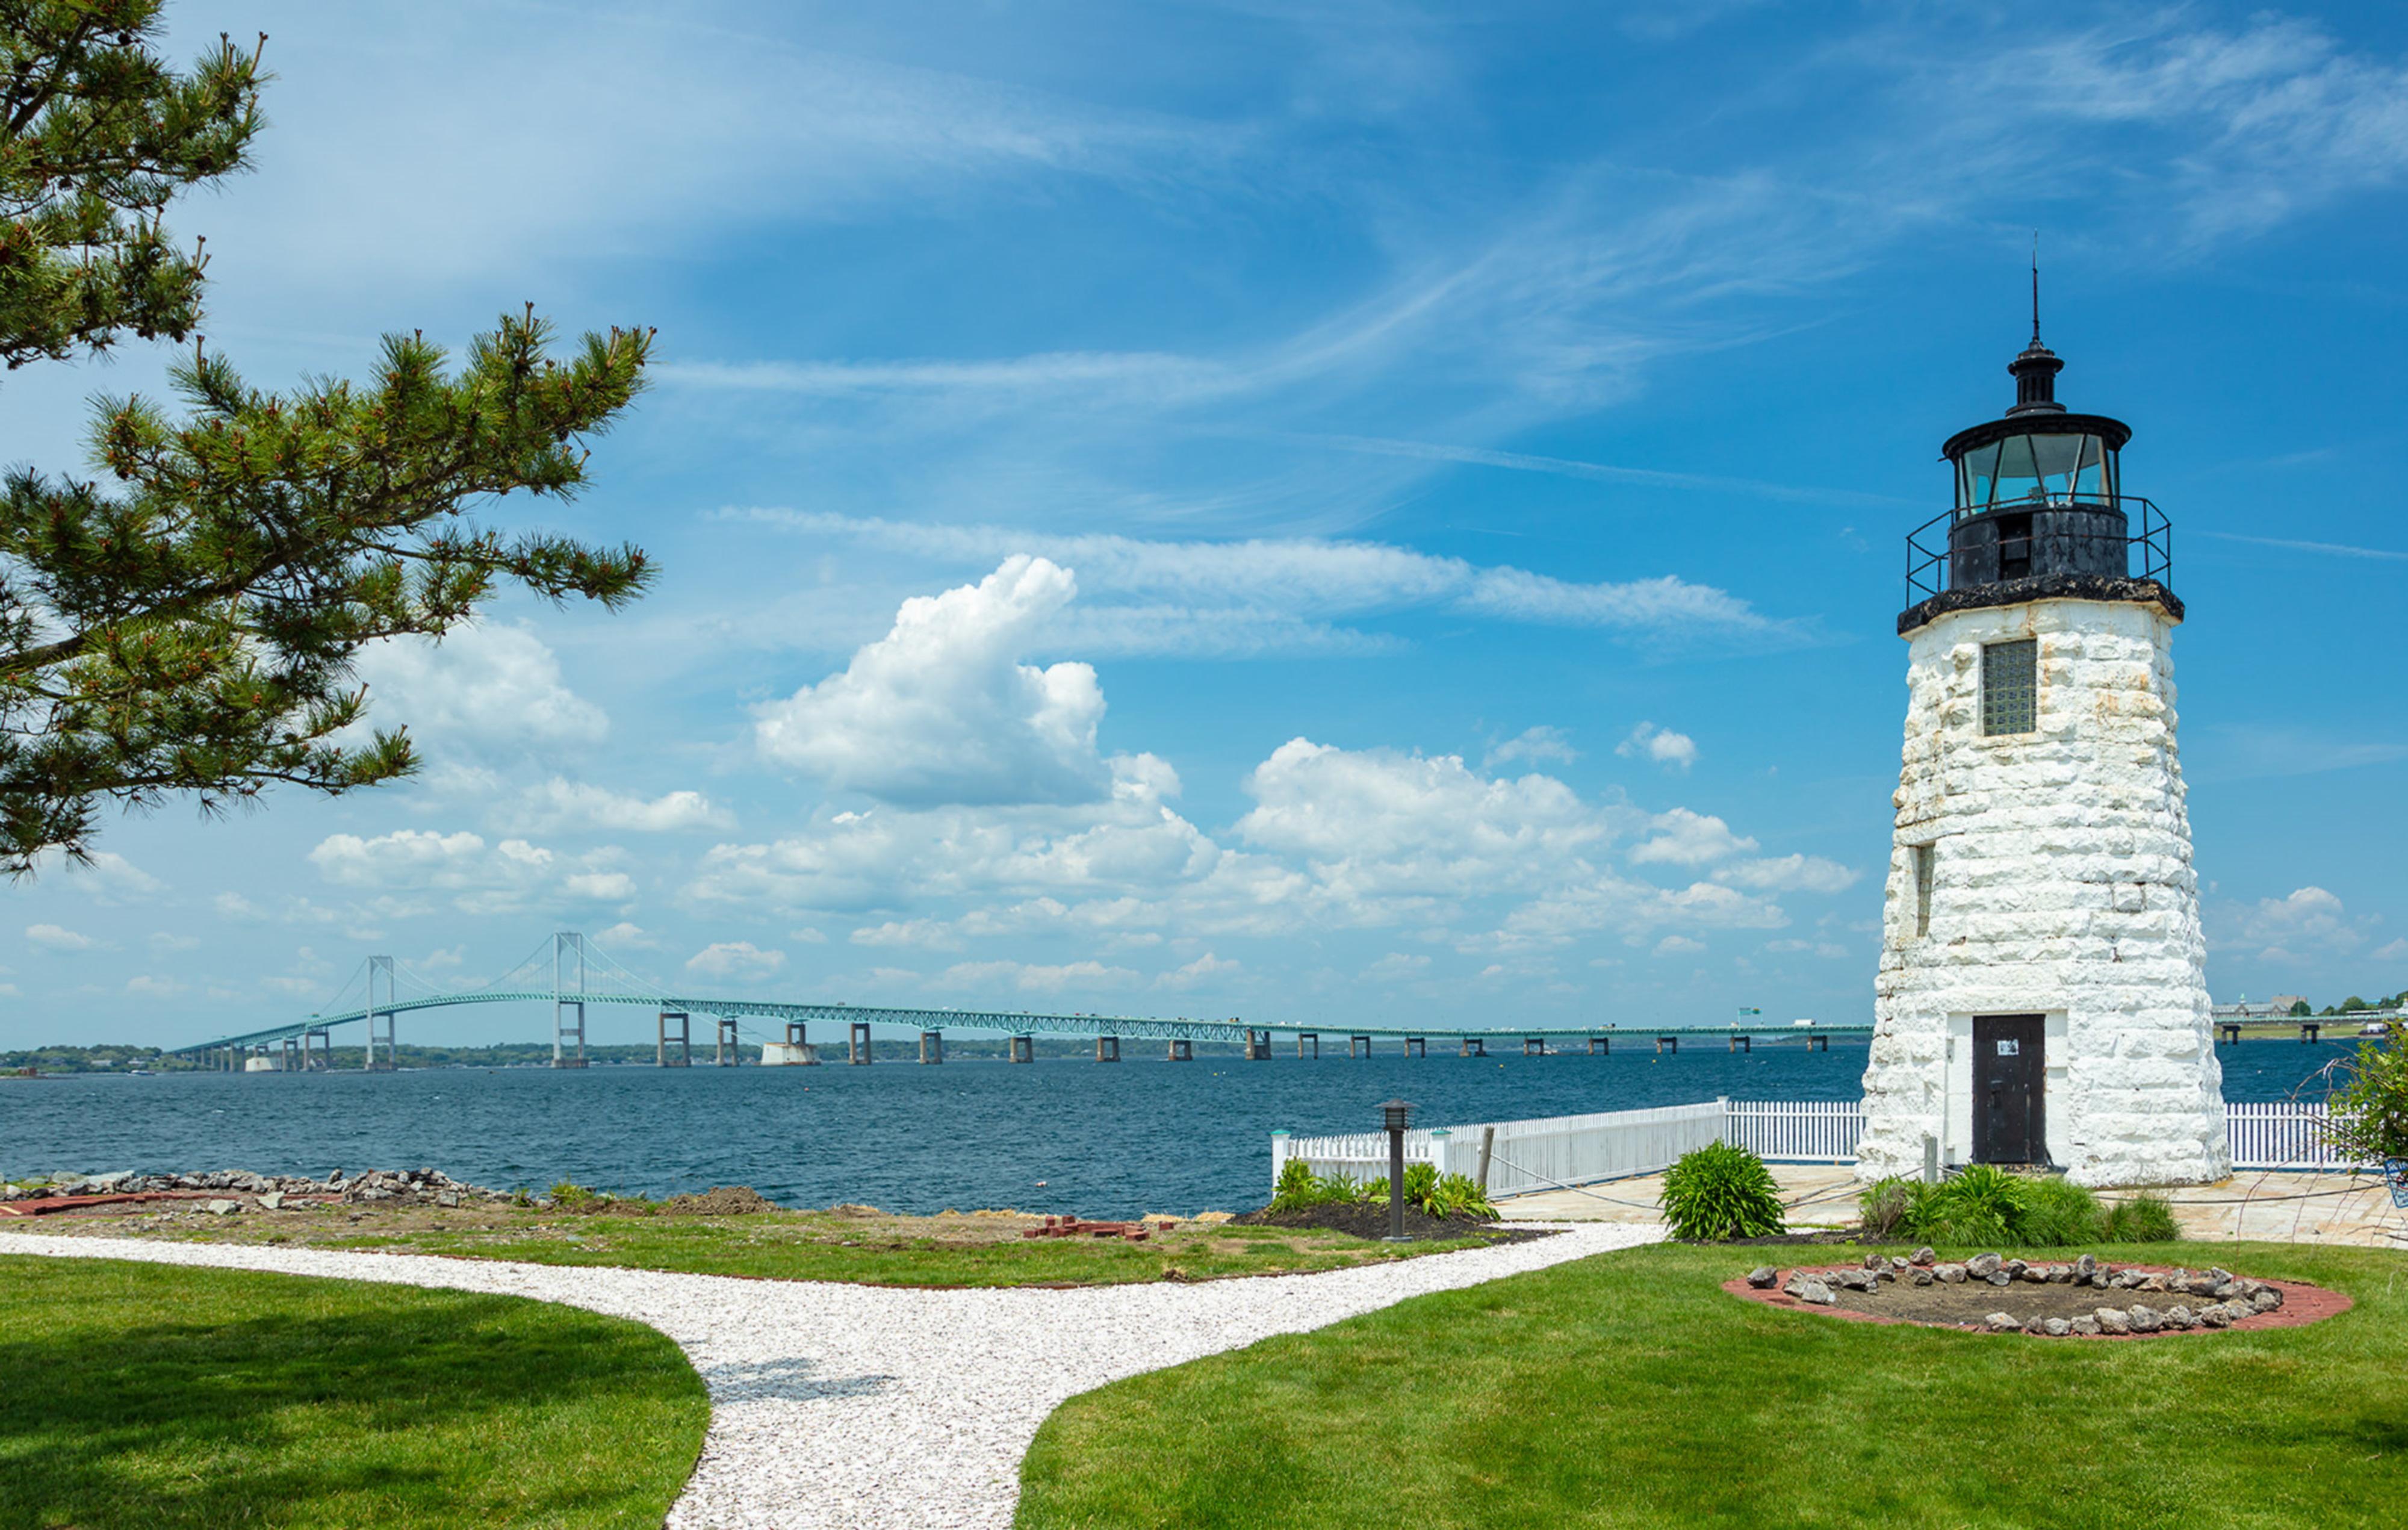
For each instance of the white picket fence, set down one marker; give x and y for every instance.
(1582, 1150)
(2284, 1135)
(1796, 1131)
(1522, 1155)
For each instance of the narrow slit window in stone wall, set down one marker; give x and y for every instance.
(1922, 889)
(2010, 688)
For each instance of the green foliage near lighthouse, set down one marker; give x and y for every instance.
(184, 627)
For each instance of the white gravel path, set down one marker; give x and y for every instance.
(872, 1406)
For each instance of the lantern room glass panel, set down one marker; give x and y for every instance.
(2034, 468)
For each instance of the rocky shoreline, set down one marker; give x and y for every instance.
(422, 1187)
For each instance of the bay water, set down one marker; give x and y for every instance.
(1055, 1136)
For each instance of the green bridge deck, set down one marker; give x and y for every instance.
(1235, 1031)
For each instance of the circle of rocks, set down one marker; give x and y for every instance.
(2185, 1300)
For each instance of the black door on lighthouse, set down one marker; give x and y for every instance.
(2010, 1124)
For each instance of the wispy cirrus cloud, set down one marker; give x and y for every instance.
(1291, 586)
(2294, 544)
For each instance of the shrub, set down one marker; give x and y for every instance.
(1986, 1205)
(1294, 1187)
(1459, 1195)
(1718, 1193)
(2369, 1118)
(2144, 1218)
(1299, 1187)
(569, 1196)
(2056, 1213)
(1882, 1205)
(1437, 1195)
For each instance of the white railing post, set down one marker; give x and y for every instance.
(1280, 1141)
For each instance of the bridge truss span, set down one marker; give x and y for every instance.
(582, 974)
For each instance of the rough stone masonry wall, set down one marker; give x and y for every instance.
(2062, 883)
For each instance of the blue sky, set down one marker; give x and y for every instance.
(1320, 511)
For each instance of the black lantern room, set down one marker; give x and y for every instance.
(2039, 510)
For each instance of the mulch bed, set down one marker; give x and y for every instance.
(1371, 1221)
(1964, 1306)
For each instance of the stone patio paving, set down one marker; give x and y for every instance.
(2263, 1206)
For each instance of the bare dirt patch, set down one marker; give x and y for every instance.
(725, 1201)
(1970, 1305)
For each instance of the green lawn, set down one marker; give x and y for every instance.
(785, 1245)
(146, 1395)
(1629, 1390)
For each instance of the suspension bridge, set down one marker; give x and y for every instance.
(572, 973)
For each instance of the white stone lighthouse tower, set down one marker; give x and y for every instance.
(2043, 996)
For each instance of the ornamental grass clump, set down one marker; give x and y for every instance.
(2057, 1213)
(1983, 1203)
(2144, 1218)
(1719, 1192)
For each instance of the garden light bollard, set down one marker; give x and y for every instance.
(1395, 1114)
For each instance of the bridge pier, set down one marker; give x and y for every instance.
(1743, 1044)
(1818, 1044)
(684, 1040)
(792, 1052)
(1304, 1037)
(565, 1030)
(1665, 1042)
(1181, 1050)
(1257, 1050)
(729, 1052)
(326, 1057)
(1107, 1048)
(2310, 1031)
(860, 1044)
(932, 1046)
(1416, 1046)
(1021, 1049)
(568, 948)
(1534, 1047)
(1354, 1042)
(1600, 1045)
(2229, 1033)
(1475, 1045)
(292, 1054)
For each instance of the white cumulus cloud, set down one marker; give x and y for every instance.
(1036, 977)
(486, 683)
(560, 803)
(477, 877)
(1673, 751)
(2309, 920)
(1788, 873)
(942, 712)
(51, 937)
(737, 959)
(1682, 838)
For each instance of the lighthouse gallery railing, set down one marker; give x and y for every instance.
(2149, 552)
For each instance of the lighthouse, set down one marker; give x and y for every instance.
(2042, 995)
